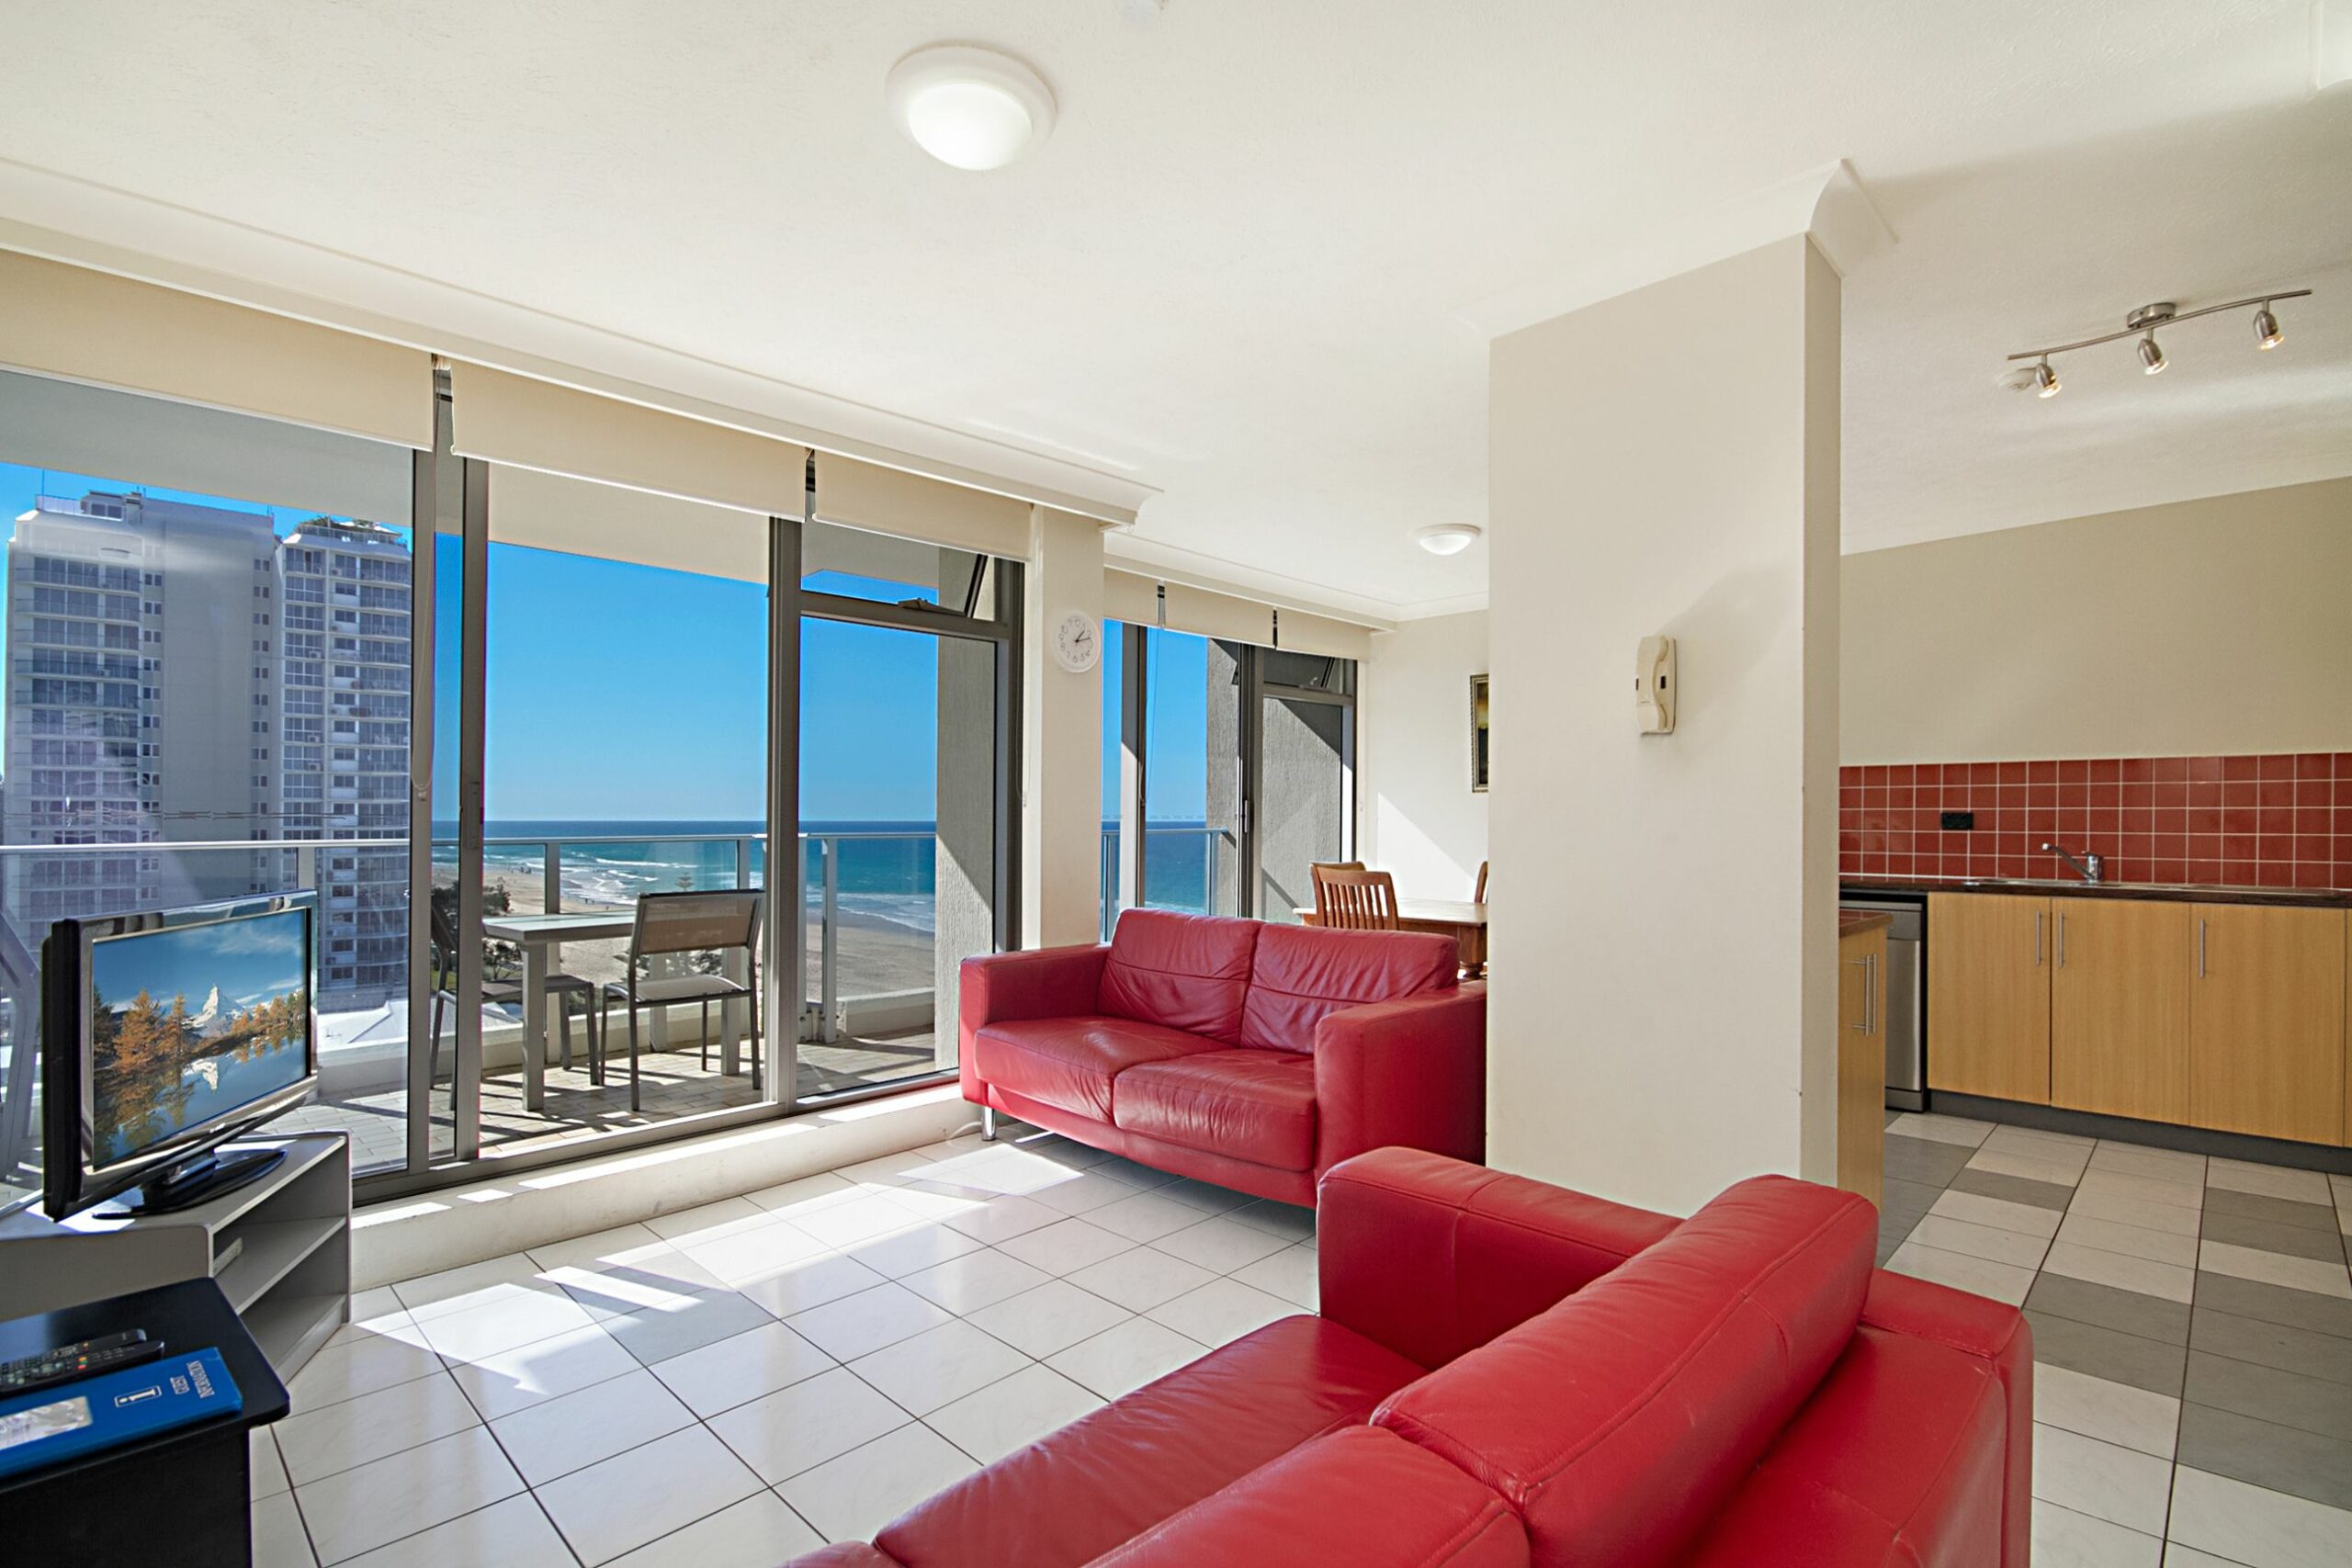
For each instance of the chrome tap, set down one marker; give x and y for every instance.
(2089, 867)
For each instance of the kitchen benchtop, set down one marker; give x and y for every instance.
(2176, 893)
(1853, 922)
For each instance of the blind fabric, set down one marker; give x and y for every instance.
(581, 518)
(890, 501)
(81, 325)
(74, 430)
(527, 424)
(1299, 632)
(1130, 598)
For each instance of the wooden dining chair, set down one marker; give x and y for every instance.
(1355, 899)
(1479, 897)
(1315, 869)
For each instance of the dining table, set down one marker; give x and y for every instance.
(1462, 919)
(541, 937)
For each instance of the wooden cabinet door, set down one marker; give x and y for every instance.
(2118, 1007)
(1861, 1063)
(1988, 995)
(2265, 1022)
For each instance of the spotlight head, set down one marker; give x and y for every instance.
(2265, 329)
(2152, 359)
(2045, 380)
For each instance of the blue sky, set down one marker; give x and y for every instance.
(626, 692)
(249, 960)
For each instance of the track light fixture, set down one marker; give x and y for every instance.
(2042, 379)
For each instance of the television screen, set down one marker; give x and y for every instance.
(188, 1023)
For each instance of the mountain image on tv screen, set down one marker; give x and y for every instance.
(188, 1023)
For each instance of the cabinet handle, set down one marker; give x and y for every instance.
(1869, 992)
(2037, 938)
(2200, 947)
(1862, 964)
(2062, 941)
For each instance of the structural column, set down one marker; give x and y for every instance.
(1664, 999)
(1062, 738)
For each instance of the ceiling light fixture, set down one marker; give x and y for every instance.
(2143, 324)
(1447, 539)
(970, 108)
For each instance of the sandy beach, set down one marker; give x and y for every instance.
(876, 956)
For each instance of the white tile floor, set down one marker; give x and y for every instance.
(743, 1382)
(2193, 1335)
(739, 1383)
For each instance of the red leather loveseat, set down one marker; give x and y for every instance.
(1510, 1375)
(1255, 1057)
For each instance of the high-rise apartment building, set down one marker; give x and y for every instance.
(179, 673)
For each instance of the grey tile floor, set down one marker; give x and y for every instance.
(2192, 1323)
(737, 1383)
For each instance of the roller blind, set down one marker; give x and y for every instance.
(1129, 598)
(78, 433)
(890, 501)
(81, 325)
(549, 512)
(527, 424)
(1299, 632)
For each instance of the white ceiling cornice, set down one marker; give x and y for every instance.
(68, 219)
(1827, 203)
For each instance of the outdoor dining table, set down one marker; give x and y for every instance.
(1463, 921)
(539, 936)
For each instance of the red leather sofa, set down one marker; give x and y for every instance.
(1255, 1057)
(1510, 1375)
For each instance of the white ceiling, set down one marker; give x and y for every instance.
(1233, 280)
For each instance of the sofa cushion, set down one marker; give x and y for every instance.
(1069, 1063)
(1362, 1498)
(1252, 1105)
(1075, 1494)
(1617, 1422)
(1898, 1457)
(1188, 972)
(1300, 972)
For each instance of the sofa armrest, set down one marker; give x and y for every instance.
(1410, 1073)
(1996, 1333)
(1046, 982)
(1432, 1256)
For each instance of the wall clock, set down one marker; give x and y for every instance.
(1077, 643)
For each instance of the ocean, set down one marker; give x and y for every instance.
(888, 869)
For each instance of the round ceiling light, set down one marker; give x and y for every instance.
(1447, 539)
(968, 107)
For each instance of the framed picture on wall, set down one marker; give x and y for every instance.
(1479, 744)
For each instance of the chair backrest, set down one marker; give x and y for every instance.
(1355, 899)
(1315, 869)
(1479, 895)
(694, 922)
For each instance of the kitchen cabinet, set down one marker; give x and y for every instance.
(1861, 1061)
(1988, 995)
(2267, 1021)
(2120, 1007)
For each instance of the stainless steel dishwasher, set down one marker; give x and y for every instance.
(1904, 1009)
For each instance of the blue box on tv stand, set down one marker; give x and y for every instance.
(113, 1408)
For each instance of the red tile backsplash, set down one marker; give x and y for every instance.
(2283, 821)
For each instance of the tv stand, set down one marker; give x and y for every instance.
(212, 1174)
(273, 1230)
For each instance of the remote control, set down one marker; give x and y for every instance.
(67, 1362)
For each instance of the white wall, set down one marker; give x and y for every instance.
(1665, 950)
(2204, 628)
(1416, 815)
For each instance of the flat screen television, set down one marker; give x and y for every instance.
(164, 1035)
